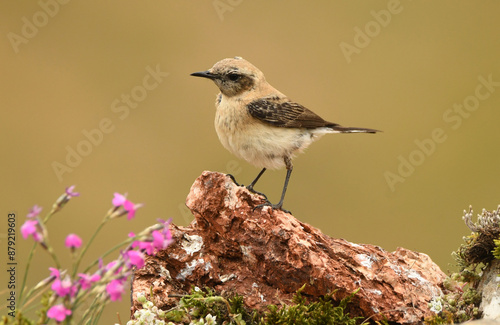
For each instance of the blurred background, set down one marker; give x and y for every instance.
(99, 95)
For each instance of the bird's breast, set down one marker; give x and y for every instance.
(231, 122)
(259, 143)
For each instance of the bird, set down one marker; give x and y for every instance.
(261, 125)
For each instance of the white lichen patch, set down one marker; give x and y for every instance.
(165, 273)
(188, 270)
(261, 296)
(412, 274)
(226, 277)
(364, 260)
(424, 283)
(303, 242)
(396, 269)
(158, 283)
(192, 244)
(375, 291)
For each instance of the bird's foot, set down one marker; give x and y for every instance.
(233, 179)
(278, 206)
(250, 188)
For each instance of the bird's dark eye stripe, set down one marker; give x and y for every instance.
(233, 76)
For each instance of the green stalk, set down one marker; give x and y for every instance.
(25, 277)
(86, 247)
(111, 250)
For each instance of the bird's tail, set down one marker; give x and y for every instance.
(342, 129)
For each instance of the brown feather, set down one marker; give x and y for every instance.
(284, 113)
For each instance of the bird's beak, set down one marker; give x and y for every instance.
(204, 74)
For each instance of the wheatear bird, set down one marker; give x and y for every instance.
(259, 124)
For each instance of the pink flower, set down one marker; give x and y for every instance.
(28, 228)
(87, 280)
(146, 246)
(135, 258)
(34, 211)
(130, 208)
(54, 272)
(110, 265)
(63, 199)
(58, 312)
(115, 290)
(166, 223)
(120, 200)
(160, 239)
(31, 227)
(69, 191)
(73, 241)
(64, 287)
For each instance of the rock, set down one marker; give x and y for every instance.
(490, 291)
(267, 255)
(482, 322)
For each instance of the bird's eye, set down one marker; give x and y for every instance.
(233, 76)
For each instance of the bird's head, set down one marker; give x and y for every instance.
(233, 76)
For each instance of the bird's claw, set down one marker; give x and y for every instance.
(250, 188)
(273, 206)
(267, 203)
(233, 179)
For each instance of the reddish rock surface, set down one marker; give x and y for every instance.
(266, 255)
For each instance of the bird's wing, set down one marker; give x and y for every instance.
(275, 111)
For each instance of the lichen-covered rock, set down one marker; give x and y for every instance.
(266, 255)
(490, 291)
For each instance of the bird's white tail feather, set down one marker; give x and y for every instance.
(342, 129)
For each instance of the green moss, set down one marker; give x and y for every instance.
(480, 246)
(320, 312)
(478, 250)
(496, 250)
(206, 307)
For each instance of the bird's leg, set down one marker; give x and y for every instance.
(289, 168)
(250, 187)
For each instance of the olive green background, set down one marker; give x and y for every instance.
(405, 76)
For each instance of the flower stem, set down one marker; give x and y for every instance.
(86, 247)
(23, 285)
(109, 251)
(28, 263)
